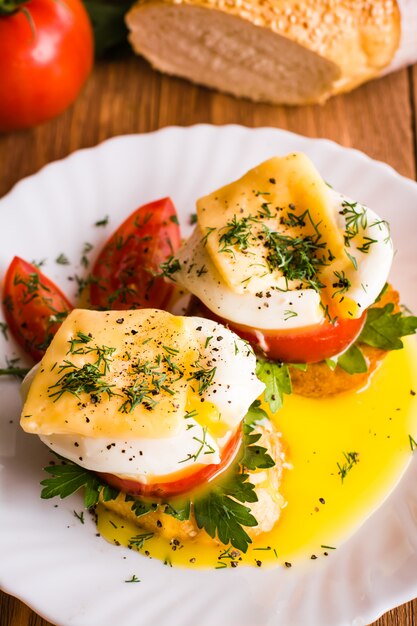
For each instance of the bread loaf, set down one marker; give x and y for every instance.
(278, 51)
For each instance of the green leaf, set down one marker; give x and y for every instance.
(108, 23)
(69, 478)
(353, 361)
(254, 457)
(109, 493)
(239, 488)
(179, 510)
(277, 379)
(255, 413)
(331, 363)
(384, 330)
(140, 507)
(218, 514)
(299, 366)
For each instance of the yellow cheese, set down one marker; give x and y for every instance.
(283, 195)
(136, 352)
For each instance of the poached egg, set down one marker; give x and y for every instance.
(279, 249)
(142, 394)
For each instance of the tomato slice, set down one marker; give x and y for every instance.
(33, 306)
(309, 344)
(123, 276)
(178, 486)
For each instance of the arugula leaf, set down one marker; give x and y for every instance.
(277, 379)
(383, 329)
(69, 478)
(353, 361)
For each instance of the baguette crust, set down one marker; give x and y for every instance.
(357, 37)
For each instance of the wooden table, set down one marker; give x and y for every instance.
(126, 96)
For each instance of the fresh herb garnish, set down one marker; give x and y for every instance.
(221, 511)
(383, 329)
(209, 230)
(351, 459)
(102, 222)
(203, 375)
(297, 258)
(353, 361)
(4, 329)
(62, 259)
(12, 369)
(204, 448)
(79, 516)
(355, 218)
(170, 267)
(236, 234)
(342, 284)
(134, 579)
(276, 377)
(255, 456)
(68, 478)
(413, 443)
(255, 413)
(138, 541)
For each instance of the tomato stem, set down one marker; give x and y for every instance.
(8, 7)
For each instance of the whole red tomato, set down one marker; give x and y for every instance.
(46, 54)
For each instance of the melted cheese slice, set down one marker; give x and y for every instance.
(140, 353)
(172, 384)
(261, 201)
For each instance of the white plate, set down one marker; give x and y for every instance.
(58, 566)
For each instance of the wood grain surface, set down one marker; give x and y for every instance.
(126, 96)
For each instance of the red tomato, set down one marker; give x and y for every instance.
(123, 276)
(310, 344)
(46, 52)
(178, 486)
(34, 307)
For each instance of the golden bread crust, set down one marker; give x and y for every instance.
(360, 37)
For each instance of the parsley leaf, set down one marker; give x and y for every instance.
(353, 361)
(181, 511)
(220, 514)
(254, 456)
(69, 478)
(140, 507)
(384, 330)
(277, 379)
(255, 413)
